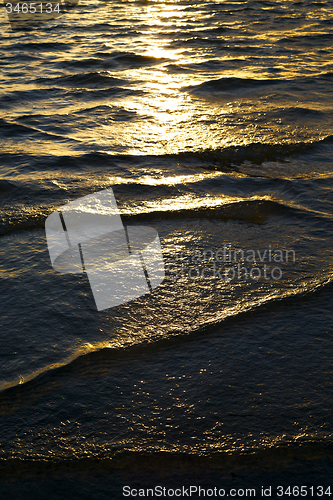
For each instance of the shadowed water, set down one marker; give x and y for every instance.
(212, 124)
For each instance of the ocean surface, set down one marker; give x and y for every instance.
(213, 124)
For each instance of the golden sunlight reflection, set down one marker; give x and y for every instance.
(207, 120)
(187, 202)
(171, 180)
(159, 15)
(165, 118)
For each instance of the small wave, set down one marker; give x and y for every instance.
(20, 56)
(116, 113)
(88, 356)
(41, 46)
(232, 85)
(327, 76)
(211, 65)
(23, 220)
(96, 79)
(14, 129)
(130, 59)
(228, 85)
(6, 187)
(19, 96)
(80, 63)
(255, 211)
(251, 211)
(307, 38)
(113, 60)
(227, 159)
(231, 159)
(10, 130)
(91, 94)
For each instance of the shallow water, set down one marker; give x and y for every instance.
(212, 123)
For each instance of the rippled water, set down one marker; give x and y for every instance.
(212, 123)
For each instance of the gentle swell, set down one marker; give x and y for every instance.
(113, 60)
(229, 85)
(94, 79)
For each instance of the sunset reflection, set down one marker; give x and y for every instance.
(211, 125)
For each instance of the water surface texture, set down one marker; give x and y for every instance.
(213, 124)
